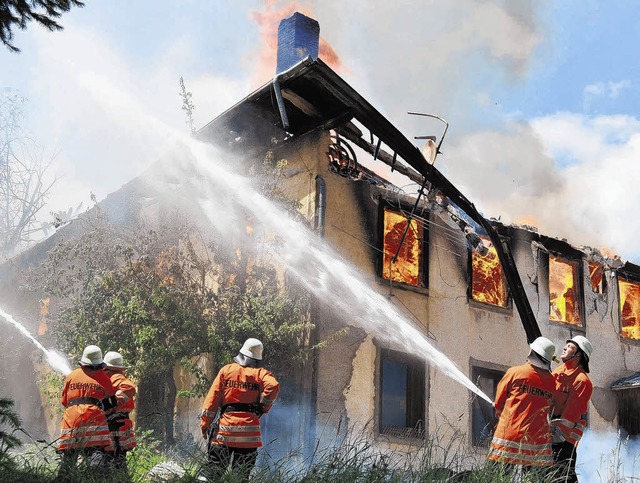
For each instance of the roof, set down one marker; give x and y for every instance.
(629, 382)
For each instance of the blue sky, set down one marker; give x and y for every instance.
(542, 97)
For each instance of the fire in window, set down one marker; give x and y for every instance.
(488, 284)
(564, 291)
(402, 396)
(629, 308)
(596, 272)
(407, 268)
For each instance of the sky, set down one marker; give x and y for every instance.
(542, 98)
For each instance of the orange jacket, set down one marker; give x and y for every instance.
(84, 424)
(236, 384)
(125, 392)
(573, 392)
(523, 406)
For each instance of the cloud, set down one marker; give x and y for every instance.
(602, 90)
(574, 175)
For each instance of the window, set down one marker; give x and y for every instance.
(629, 411)
(408, 267)
(483, 419)
(488, 283)
(629, 308)
(402, 395)
(564, 291)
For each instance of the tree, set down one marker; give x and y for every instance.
(18, 13)
(9, 424)
(23, 183)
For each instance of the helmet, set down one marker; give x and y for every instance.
(114, 360)
(544, 348)
(584, 344)
(252, 348)
(91, 356)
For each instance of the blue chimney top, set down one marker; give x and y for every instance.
(298, 38)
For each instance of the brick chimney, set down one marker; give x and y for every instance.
(298, 38)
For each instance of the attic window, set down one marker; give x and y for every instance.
(629, 308)
(564, 291)
(408, 267)
(596, 270)
(488, 283)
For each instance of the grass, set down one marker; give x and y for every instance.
(352, 460)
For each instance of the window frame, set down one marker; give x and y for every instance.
(482, 369)
(422, 375)
(508, 308)
(578, 283)
(423, 269)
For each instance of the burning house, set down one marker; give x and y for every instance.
(476, 289)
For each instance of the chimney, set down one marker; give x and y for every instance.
(298, 38)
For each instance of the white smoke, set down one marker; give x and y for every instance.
(604, 457)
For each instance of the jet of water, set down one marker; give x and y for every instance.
(225, 195)
(56, 360)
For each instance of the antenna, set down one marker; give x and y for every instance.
(430, 151)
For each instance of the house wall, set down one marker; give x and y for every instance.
(346, 370)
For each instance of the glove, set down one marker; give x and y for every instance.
(556, 434)
(109, 403)
(260, 409)
(205, 432)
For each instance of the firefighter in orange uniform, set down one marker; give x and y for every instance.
(120, 423)
(574, 389)
(84, 430)
(523, 407)
(240, 394)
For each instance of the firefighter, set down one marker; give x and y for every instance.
(574, 389)
(523, 407)
(87, 392)
(120, 424)
(230, 420)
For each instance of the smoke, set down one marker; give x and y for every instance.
(607, 457)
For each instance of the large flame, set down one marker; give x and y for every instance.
(629, 309)
(563, 295)
(406, 268)
(596, 272)
(488, 282)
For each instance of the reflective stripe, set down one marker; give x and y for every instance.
(238, 439)
(123, 396)
(519, 445)
(240, 429)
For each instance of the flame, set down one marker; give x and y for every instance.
(488, 281)
(268, 21)
(629, 309)
(563, 299)
(529, 220)
(596, 271)
(406, 268)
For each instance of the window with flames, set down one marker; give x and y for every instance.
(407, 268)
(564, 291)
(488, 283)
(629, 308)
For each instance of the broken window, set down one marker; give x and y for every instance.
(402, 395)
(408, 266)
(483, 417)
(488, 283)
(629, 308)
(596, 272)
(564, 291)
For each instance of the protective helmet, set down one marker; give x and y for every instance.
(91, 356)
(252, 348)
(584, 344)
(114, 360)
(544, 348)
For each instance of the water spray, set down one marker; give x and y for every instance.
(56, 360)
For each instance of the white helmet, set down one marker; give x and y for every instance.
(544, 348)
(91, 356)
(584, 344)
(114, 360)
(252, 348)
